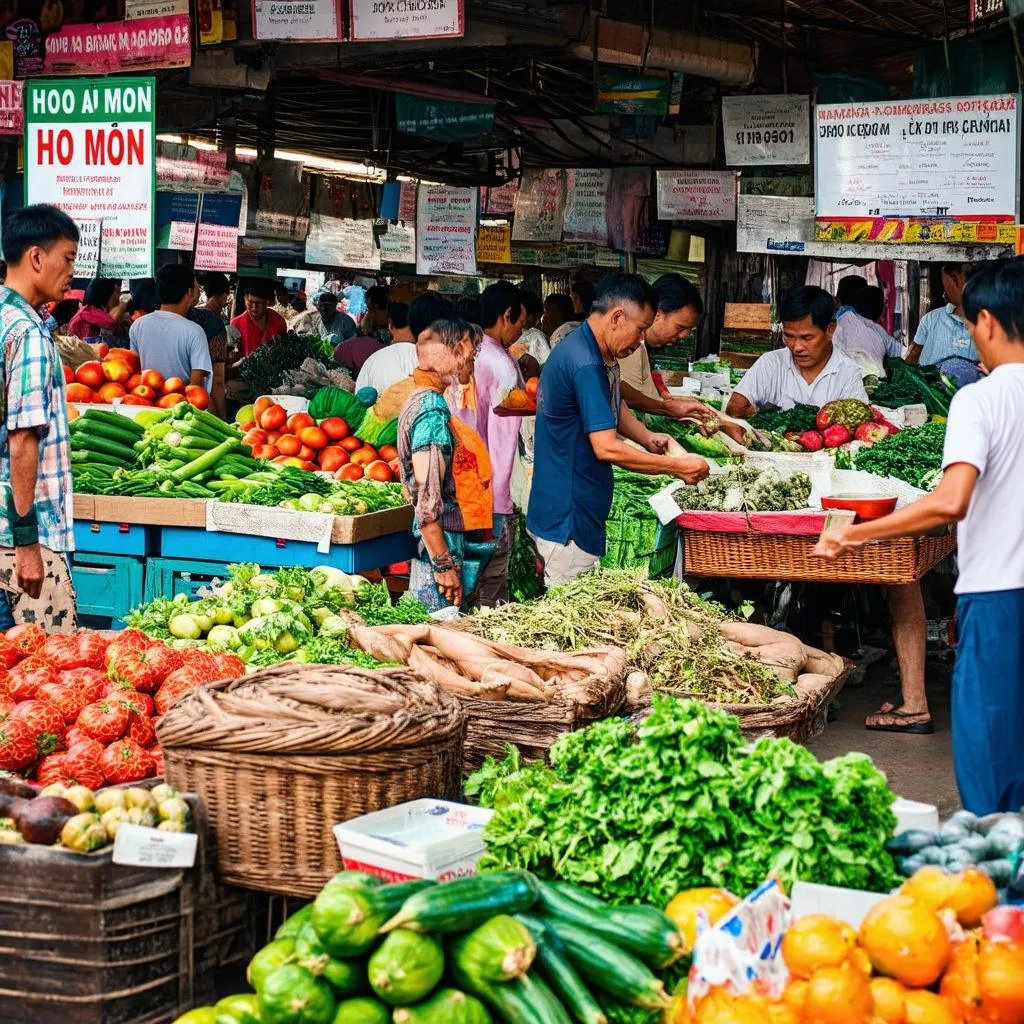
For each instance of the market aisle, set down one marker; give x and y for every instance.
(919, 767)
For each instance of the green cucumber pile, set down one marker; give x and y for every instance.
(500, 948)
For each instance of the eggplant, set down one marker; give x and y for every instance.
(11, 806)
(11, 786)
(41, 820)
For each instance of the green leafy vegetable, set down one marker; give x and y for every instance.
(914, 455)
(781, 421)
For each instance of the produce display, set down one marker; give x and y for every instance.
(119, 376)
(678, 642)
(633, 529)
(80, 819)
(79, 710)
(500, 947)
(295, 614)
(688, 434)
(907, 384)
(745, 489)
(349, 448)
(311, 376)
(786, 421)
(264, 369)
(522, 399)
(914, 455)
(641, 812)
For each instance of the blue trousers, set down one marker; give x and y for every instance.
(988, 701)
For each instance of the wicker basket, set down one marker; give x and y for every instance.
(283, 755)
(771, 556)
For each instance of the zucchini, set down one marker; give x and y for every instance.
(466, 903)
(347, 919)
(517, 1001)
(82, 442)
(126, 423)
(645, 932)
(346, 977)
(554, 966)
(82, 428)
(499, 950)
(609, 968)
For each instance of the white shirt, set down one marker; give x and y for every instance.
(776, 380)
(866, 343)
(387, 366)
(983, 430)
(171, 345)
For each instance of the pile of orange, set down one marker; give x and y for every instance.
(933, 953)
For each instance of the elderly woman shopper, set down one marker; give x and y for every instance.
(446, 471)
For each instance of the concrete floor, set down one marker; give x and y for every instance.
(918, 767)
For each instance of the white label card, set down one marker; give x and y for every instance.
(141, 847)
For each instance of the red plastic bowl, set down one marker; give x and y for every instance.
(866, 507)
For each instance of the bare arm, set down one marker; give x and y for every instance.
(740, 406)
(198, 377)
(609, 447)
(449, 582)
(638, 400)
(24, 446)
(914, 353)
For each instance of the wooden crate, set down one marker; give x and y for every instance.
(748, 316)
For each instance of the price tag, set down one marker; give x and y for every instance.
(141, 847)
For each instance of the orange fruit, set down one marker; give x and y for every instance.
(719, 1007)
(927, 1008)
(816, 941)
(517, 398)
(795, 996)
(985, 980)
(837, 995)
(906, 941)
(974, 895)
(930, 886)
(889, 1000)
(683, 907)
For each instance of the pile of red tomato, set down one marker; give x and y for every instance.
(118, 375)
(298, 440)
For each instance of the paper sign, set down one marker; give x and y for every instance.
(696, 195)
(500, 201)
(154, 8)
(761, 130)
(217, 248)
(140, 847)
(140, 45)
(586, 205)
(314, 21)
(540, 207)
(12, 110)
(407, 19)
(494, 243)
(446, 230)
(182, 235)
(87, 259)
(407, 201)
(398, 244)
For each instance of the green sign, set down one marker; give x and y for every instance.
(444, 120)
(90, 150)
(632, 94)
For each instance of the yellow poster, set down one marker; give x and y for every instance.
(6, 60)
(494, 243)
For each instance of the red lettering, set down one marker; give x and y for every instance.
(65, 147)
(136, 146)
(94, 150)
(44, 147)
(111, 147)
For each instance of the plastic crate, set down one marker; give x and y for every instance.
(114, 538)
(168, 577)
(107, 586)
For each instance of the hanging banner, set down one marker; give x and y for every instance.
(443, 120)
(632, 94)
(696, 195)
(540, 206)
(342, 242)
(407, 201)
(500, 201)
(939, 170)
(494, 243)
(446, 230)
(760, 130)
(407, 19)
(311, 21)
(398, 243)
(282, 209)
(89, 148)
(217, 234)
(12, 108)
(176, 216)
(26, 46)
(186, 168)
(144, 44)
(586, 205)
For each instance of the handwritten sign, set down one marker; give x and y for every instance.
(586, 205)
(398, 244)
(402, 19)
(540, 206)
(446, 230)
(763, 130)
(140, 847)
(696, 195)
(494, 243)
(87, 259)
(313, 21)
(217, 248)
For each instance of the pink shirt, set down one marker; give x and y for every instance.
(494, 375)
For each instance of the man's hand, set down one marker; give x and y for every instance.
(660, 444)
(689, 468)
(449, 583)
(28, 569)
(691, 408)
(735, 430)
(835, 542)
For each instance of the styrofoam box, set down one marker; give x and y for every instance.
(849, 905)
(911, 814)
(426, 838)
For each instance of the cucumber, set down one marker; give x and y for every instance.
(499, 950)
(405, 968)
(354, 880)
(645, 932)
(555, 968)
(610, 968)
(291, 926)
(346, 977)
(518, 1001)
(347, 920)
(362, 1011)
(466, 903)
(445, 1006)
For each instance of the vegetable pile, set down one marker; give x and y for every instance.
(295, 614)
(689, 436)
(641, 812)
(633, 529)
(913, 455)
(501, 947)
(785, 421)
(264, 369)
(745, 489)
(907, 384)
(81, 819)
(119, 376)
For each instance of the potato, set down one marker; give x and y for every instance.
(821, 663)
(788, 654)
(810, 684)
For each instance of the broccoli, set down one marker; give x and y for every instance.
(745, 489)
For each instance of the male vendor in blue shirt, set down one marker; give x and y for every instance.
(581, 426)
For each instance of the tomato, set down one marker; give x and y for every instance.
(150, 394)
(260, 406)
(254, 438)
(167, 401)
(197, 396)
(125, 355)
(289, 444)
(90, 374)
(349, 472)
(351, 444)
(109, 391)
(309, 467)
(395, 466)
(153, 379)
(306, 453)
(116, 370)
(531, 388)
(79, 393)
(364, 456)
(335, 428)
(332, 458)
(388, 452)
(174, 386)
(135, 400)
(313, 437)
(379, 471)
(273, 436)
(266, 451)
(133, 381)
(272, 418)
(69, 375)
(299, 421)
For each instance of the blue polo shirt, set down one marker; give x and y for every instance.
(571, 493)
(942, 334)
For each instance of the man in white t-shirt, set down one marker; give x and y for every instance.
(809, 370)
(983, 465)
(394, 362)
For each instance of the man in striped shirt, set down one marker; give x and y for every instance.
(36, 521)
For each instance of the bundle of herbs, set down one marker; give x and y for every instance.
(914, 455)
(638, 813)
(264, 369)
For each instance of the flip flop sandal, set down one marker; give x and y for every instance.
(911, 728)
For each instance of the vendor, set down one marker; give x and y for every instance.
(809, 370)
(580, 417)
(983, 464)
(258, 323)
(325, 320)
(943, 333)
(445, 471)
(858, 333)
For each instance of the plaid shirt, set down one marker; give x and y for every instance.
(33, 397)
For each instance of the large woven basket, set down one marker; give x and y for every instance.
(283, 755)
(770, 556)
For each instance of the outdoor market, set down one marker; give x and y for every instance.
(511, 512)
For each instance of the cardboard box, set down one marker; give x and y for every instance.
(83, 506)
(353, 529)
(150, 511)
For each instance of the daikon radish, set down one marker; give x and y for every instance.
(410, 634)
(810, 684)
(504, 673)
(785, 654)
(420, 661)
(752, 635)
(379, 645)
(525, 676)
(820, 662)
